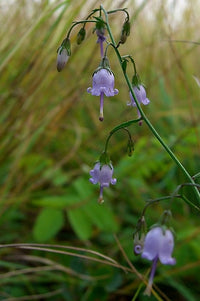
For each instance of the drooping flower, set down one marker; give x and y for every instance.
(103, 84)
(158, 244)
(64, 52)
(81, 35)
(141, 96)
(102, 174)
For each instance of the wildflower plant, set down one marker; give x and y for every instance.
(157, 243)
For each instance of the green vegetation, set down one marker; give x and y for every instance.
(63, 244)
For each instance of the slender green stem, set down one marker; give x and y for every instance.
(132, 61)
(79, 22)
(119, 9)
(93, 12)
(151, 202)
(153, 130)
(129, 134)
(196, 176)
(124, 124)
(105, 53)
(189, 202)
(119, 127)
(174, 195)
(182, 196)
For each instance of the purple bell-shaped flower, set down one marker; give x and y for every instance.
(158, 244)
(102, 174)
(103, 84)
(141, 96)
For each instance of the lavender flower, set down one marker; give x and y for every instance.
(103, 83)
(62, 59)
(158, 244)
(140, 94)
(103, 175)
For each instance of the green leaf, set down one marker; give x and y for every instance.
(59, 202)
(83, 188)
(80, 223)
(48, 224)
(101, 216)
(56, 176)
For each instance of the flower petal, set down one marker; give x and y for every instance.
(113, 181)
(152, 243)
(145, 101)
(166, 248)
(93, 181)
(103, 81)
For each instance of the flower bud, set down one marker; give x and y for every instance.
(125, 31)
(67, 44)
(62, 58)
(130, 147)
(64, 52)
(81, 36)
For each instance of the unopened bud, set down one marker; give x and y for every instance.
(62, 58)
(125, 31)
(67, 44)
(64, 51)
(81, 36)
(130, 147)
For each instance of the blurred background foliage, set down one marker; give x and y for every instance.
(50, 137)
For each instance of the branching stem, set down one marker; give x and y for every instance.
(144, 117)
